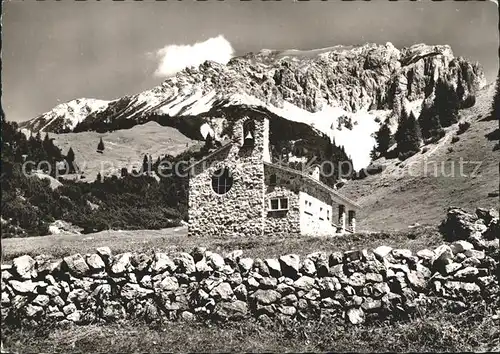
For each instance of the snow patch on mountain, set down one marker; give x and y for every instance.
(67, 115)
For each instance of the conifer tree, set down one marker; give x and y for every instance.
(446, 103)
(70, 159)
(384, 139)
(430, 125)
(100, 146)
(408, 135)
(145, 164)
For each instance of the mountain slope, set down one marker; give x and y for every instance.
(408, 192)
(123, 148)
(342, 91)
(66, 116)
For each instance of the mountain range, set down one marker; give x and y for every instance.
(343, 92)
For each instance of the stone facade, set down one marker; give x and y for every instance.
(249, 205)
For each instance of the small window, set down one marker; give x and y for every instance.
(279, 204)
(272, 180)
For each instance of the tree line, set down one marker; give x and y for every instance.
(429, 126)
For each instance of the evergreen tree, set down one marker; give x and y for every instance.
(99, 177)
(70, 159)
(209, 142)
(373, 153)
(100, 146)
(429, 123)
(384, 139)
(447, 103)
(145, 164)
(408, 136)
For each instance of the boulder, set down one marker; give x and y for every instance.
(268, 283)
(290, 265)
(214, 260)
(233, 257)
(308, 267)
(32, 311)
(356, 316)
(304, 283)
(475, 254)
(458, 225)
(426, 254)
(260, 266)
(401, 253)
(357, 279)
(131, 291)
(121, 263)
(41, 300)
(486, 214)
(222, 292)
(381, 252)
(461, 246)
(335, 258)
(443, 255)
(416, 281)
(241, 292)
(452, 268)
(232, 310)
(169, 284)
(23, 287)
(162, 263)
(76, 265)
(266, 297)
(105, 253)
(245, 265)
(274, 267)
(112, 311)
(467, 273)
(198, 253)
(141, 261)
(95, 262)
(23, 266)
(185, 263)
(77, 296)
(374, 278)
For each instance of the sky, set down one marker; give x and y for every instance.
(56, 51)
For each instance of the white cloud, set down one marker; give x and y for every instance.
(173, 58)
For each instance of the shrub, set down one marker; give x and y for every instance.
(470, 101)
(463, 126)
(455, 139)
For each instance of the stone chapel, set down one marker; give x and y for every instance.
(237, 191)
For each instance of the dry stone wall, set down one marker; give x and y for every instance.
(353, 286)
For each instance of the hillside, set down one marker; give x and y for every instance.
(397, 198)
(123, 148)
(342, 91)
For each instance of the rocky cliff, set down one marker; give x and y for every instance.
(340, 91)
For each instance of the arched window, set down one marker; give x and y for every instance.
(248, 133)
(222, 181)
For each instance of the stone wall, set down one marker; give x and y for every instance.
(353, 286)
